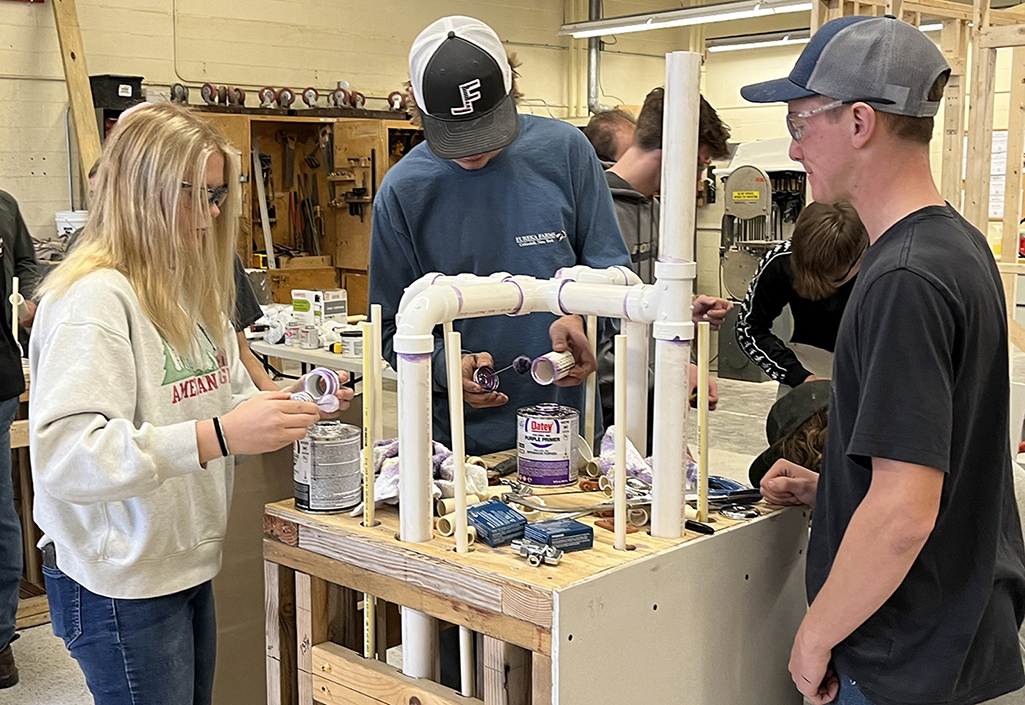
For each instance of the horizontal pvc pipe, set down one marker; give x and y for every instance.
(447, 506)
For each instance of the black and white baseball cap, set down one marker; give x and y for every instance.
(880, 61)
(462, 83)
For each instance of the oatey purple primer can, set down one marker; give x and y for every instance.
(546, 440)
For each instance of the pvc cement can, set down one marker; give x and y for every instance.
(327, 476)
(309, 338)
(292, 334)
(546, 439)
(352, 343)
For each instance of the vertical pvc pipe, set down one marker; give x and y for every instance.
(466, 663)
(14, 307)
(619, 505)
(453, 363)
(369, 394)
(637, 355)
(672, 328)
(419, 632)
(453, 348)
(592, 380)
(704, 331)
(680, 156)
(375, 317)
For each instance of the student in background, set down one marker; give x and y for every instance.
(814, 273)
(611, 133)
(634, 182)
(17, 259)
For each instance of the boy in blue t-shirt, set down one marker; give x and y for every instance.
(491, 190)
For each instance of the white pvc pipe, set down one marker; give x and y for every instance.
(14, 308)
(619, 505)
(369, 394)
(453, 355)
(466, 663)
(378, 361)
(618, 275)
(674, 273)
(704, 331)
(672, 370)
(453, 360)
(679, 156)
(419, 644)
(419, 631)
(448, 506)
(637, 385)
(592, 379)
(632, 303)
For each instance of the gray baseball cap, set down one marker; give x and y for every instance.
(881, 61)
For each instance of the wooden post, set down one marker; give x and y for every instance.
(311, 609)
(541, 677)
(76, 76)
(279, 609)
(954, 43)
(822, 11)
(980, 117)
(893, 7)
(1015, 148)
(507, 672)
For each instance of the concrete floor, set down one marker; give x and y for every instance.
(737, 433)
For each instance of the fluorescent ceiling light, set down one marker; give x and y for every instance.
(775, 39)
(696, 15)
(784, 41)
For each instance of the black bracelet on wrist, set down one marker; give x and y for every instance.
(220, 437)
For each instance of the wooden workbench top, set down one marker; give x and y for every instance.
(502, 562)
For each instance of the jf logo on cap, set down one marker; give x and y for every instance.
(881, 61)
(462, 84)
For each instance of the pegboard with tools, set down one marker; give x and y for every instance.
(318, 177)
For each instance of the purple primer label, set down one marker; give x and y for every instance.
(545, 444)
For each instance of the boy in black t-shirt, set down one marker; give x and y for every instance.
(916, 569)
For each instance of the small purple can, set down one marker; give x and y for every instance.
(546, 441)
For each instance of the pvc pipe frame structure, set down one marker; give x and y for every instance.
(437, 299)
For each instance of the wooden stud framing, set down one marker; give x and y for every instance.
(342, 677)
(541, 680)
(507, 673)
(1001, 37)
(980, 117)
(279, 609)
(76, 75)
(1015, 149)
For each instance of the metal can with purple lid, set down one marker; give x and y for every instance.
(546, 439)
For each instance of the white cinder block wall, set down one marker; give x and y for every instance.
(253, 43)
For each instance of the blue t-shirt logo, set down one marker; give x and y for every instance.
(540, 239)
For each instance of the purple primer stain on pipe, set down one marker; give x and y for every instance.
(523, 297)
(546, 441)
(558, 297)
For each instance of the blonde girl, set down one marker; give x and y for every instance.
(138, 402)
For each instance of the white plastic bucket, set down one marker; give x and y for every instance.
(70, 221)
